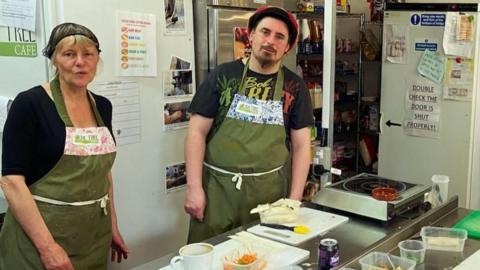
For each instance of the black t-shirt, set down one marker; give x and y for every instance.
(34, 134)
(215, 94)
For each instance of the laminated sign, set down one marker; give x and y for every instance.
(432, 66)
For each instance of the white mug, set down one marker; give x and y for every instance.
(197, 256)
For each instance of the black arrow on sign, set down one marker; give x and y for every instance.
(390, 123)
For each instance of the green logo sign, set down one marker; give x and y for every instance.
(249, 109)
(85, 139)
(18, 49)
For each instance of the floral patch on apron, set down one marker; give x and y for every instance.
(257, 111)
(88, 141)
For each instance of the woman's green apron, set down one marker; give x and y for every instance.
(72, 199)
(243, 163)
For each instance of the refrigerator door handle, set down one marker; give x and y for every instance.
(381, 123)
(213, 39)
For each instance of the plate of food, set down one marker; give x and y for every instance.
(245, 251)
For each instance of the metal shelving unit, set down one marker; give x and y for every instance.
(369, 99)
(348, 72)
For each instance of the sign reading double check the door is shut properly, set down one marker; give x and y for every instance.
(422, 111)
(17, 42)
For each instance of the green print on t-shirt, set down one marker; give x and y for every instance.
(258, 90)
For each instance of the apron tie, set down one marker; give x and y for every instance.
(238, 177)
(103, 202)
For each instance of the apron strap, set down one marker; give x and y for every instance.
(61, 108)
(103, 202)
(237, 177)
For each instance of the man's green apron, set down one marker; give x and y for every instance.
(243, 163)
(72, 199)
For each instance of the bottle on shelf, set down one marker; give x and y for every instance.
(306, 6)
(315, 36)
(373, 116)
(306, 39)
(305, 69)
(299, 70)
(311, 91)
(300, 38)
(370, 50)
(318, 6)
(317, 96)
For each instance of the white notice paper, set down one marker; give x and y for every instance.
(458, 79)
(125, 98)
(5, 103)
(136, 44)
(422, 111)
(455, 42)
(20, 14)
(396, 38)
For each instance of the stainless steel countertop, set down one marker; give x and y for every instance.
(361, 236)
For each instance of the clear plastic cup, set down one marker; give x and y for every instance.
(440, 185)
(413, 250)
(382, 261)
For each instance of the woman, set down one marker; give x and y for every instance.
(58, 150)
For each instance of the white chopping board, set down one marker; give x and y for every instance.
(319, 223)
(284, 256)
(472, 262)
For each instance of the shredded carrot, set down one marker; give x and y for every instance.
(247, 258)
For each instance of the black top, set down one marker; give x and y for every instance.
(34, 134)
(215, 94)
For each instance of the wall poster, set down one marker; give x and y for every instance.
(175, 17)
(16, 42)
(179, 63)
(241, 44)
(18, 14)
(458, 34)
(458, 84)
(176, 115)
(175, 177)
(126, 117)
(177, 83)
(136, 44)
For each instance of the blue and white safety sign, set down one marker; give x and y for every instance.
(428, 19)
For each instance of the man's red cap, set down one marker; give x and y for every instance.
(277, 13)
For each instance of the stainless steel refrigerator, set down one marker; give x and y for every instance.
(214, 24)
(423, 132)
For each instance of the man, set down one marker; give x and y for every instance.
(247, 116)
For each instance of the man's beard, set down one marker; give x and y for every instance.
(265, 59)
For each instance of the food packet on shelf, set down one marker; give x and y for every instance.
(280, 212)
